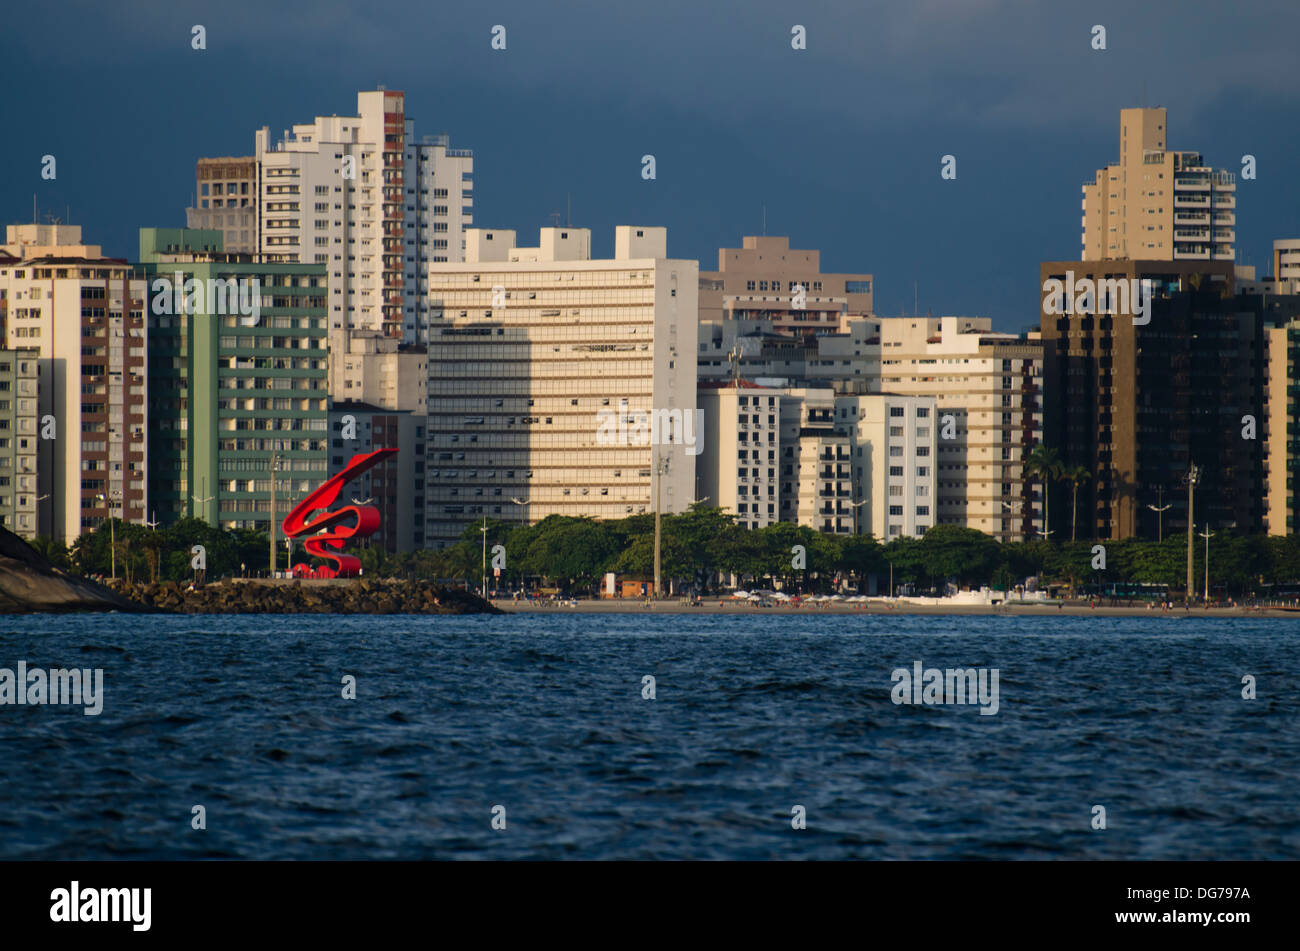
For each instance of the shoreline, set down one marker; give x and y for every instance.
(882, 608)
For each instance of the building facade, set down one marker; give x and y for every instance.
(84, 314)
(987, 387)
(226, 199)
(545, 366)
(1137, 399)
(1155, 204)
(1282, 428)
(19, 436)
(892, 446)
(395, 486)
(361, 196)
(235, 396)
(738, 469)
(762, 280)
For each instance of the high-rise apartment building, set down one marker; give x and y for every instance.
(361, 196)
(84, 314)
(1155, 204)
(19, 490)
(1281, 428)
(768, 280)
(235, 394)
(738, 469)
(816, 485)
(559, 383)
(987, 387)
(1286, 261)
(892, 443)
(1137, 398)
(226, 200)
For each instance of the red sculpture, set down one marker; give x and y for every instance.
(328, 529)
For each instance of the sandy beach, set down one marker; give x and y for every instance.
(881, 606)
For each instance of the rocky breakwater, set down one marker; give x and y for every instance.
(345, 596)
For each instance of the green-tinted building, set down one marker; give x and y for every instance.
(18, 441)
(238, 376)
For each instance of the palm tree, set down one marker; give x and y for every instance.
(1046, 464)
(1075, 475)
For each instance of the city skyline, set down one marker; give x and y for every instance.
(709, 118)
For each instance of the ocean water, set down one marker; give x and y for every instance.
(752, 716)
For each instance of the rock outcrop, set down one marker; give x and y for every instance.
(29, 584)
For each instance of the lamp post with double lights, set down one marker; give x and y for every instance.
(856, 506)
(523, 511)
(1160, 513)
(1193, 477)
(1207, 535)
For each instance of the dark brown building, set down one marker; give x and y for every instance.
(1136, 397)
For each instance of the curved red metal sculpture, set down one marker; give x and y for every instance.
(329, 529)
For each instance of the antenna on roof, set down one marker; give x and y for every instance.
(765, 220)
(568, 209)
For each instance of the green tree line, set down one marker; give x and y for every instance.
(704, 545)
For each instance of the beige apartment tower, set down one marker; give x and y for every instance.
(766, 279)
(83, 314)
(738, 469)
(987, 388)
(225, 200)
(1155, 204)
(542, 363)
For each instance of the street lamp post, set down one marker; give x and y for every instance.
(523, 510)
(856, 506)
(1160, 512)
(1207, 535)
(484, 530)
(1193, 476)
(275, 468)
(658, 485)
(112, 500)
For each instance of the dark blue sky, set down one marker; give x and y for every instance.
(841, 142)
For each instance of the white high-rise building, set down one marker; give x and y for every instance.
(892, 445)
(362, 196)
(738, 470)
(556, 381)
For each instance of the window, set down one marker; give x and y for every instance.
(896, 412)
